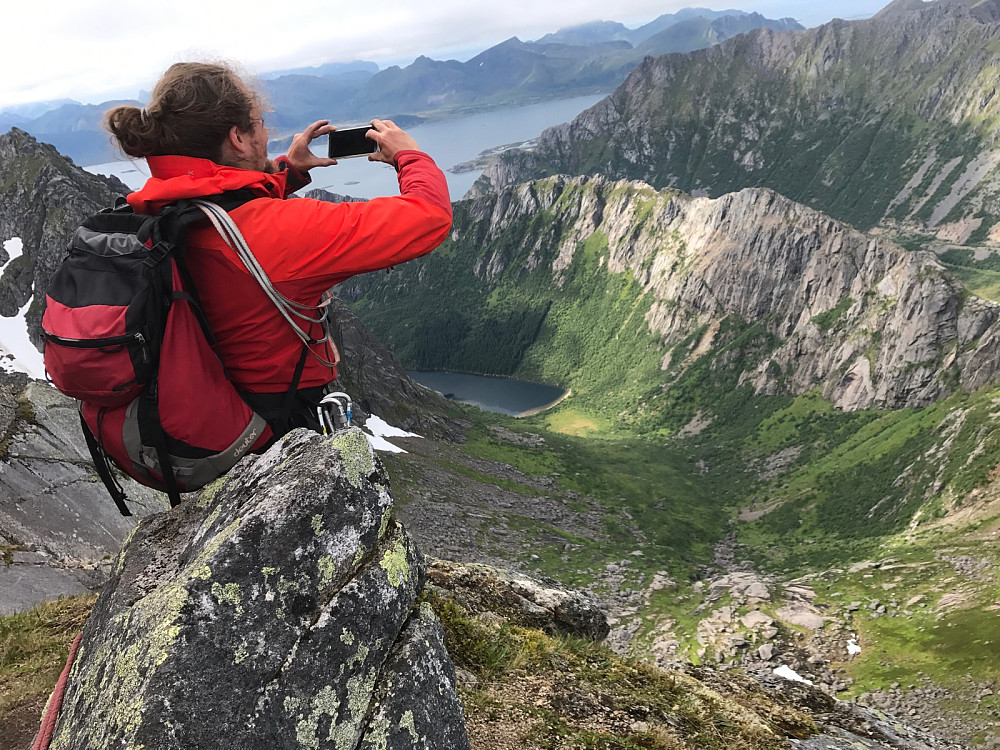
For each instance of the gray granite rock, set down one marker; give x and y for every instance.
(519, 599)
(274, 611)
(56, 518)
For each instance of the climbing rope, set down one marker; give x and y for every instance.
(51, 715)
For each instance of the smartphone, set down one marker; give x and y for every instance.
(351, 142)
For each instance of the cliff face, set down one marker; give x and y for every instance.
(43, 198)
(58, 527)
(868, 322)
(889, 120)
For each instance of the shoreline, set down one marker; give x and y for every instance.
(546, 407)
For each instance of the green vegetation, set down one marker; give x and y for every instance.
(33, 650)
(640, 487)
(980, 277)
(581, 694)
(827, 320)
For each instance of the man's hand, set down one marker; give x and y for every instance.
(391, 140)
(300, 156)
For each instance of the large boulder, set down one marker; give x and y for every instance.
(276, 610)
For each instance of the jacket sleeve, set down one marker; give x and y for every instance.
(294, 179)
(320, 244)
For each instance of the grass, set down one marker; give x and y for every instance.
(34, 646)
(556, 691)
(652, 498)
(981, 282)
(572, 422)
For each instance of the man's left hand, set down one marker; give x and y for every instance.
(299, 154)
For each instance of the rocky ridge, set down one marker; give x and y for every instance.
(43, 198)
(868, 322)
(890, 120)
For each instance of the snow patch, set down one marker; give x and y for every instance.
(380, 428)
(14, 248)
(790, 674)
(17, 353)
(377, 432)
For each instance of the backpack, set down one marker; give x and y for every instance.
(125, 335)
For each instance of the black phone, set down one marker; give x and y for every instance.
(350, 142)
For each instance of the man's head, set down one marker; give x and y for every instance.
(203, 110)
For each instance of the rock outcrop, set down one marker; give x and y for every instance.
(886, 120)
(278, 609)
(518, 599)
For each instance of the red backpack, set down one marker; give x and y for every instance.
(125, 335)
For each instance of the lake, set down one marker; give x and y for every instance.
(450, 142)
(502, 395)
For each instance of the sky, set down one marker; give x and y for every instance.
(96, 50)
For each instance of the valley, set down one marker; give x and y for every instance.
(650, 530)
(766, 275)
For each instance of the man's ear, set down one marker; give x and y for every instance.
(238, 141)
(235, 148)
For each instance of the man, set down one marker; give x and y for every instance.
(203, 134)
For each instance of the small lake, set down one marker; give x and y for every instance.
(502, 395)
(449, 142)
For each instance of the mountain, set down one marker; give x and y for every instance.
(888, 121)
(304, 97)
(326, 70)
(571, 62)
(588, 33)
(699, 481)
(579, 59)
(862, 320)
(700, 32)
(642, 33)
(45, 196)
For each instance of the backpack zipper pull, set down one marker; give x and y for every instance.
(142, 345)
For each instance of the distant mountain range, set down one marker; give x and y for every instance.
(886, 122)
(583, 59)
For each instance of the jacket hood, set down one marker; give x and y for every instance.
(176, 177)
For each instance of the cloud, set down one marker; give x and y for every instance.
(93, 49)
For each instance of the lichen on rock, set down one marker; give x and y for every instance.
(277, 607)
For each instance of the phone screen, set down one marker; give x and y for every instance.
(351, 142)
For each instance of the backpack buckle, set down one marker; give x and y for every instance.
(159, 251)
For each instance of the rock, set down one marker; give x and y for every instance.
(50, 504)
(766, 652)
(801, 616)
(754, 619)
(757, 591)
(465, 677)
(519, 599)
(276, 610)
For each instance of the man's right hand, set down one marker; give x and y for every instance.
(391, 140)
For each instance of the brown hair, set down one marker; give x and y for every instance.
(191, 111)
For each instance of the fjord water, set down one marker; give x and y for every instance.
(450, 142)
(502, 395)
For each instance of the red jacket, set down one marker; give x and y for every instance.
(305, 246)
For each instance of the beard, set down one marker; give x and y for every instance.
(264, 164)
